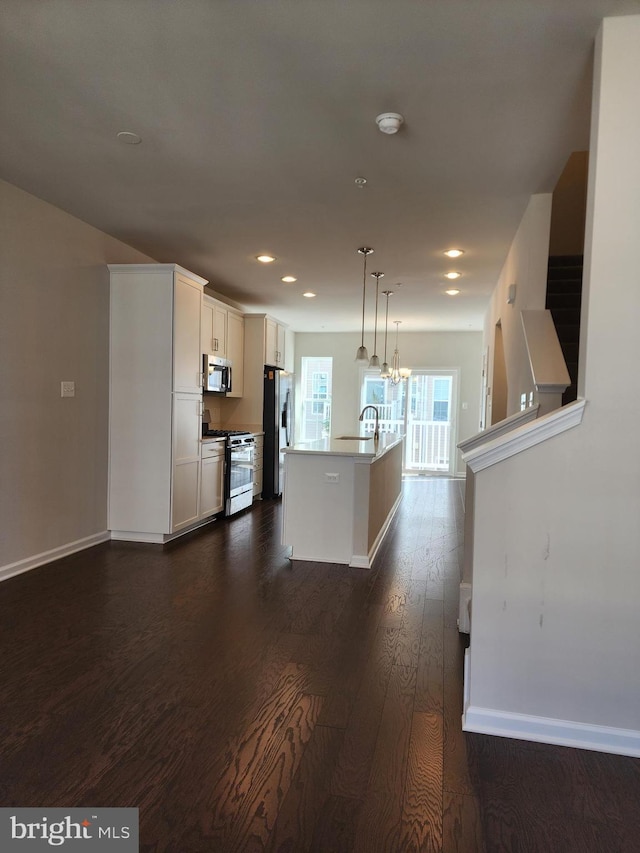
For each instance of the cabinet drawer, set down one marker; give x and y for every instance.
(212, 448)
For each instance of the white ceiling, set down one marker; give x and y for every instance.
(256, 116)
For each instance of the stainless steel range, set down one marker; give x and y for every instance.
(238, 475)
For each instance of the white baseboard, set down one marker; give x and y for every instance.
(41, 559)
(549, 730)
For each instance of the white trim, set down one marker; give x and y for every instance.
(550, 730)
(548, 367)
(44, 557)
(525, 436)
(157, 268)
(159, 538)
(502, 427)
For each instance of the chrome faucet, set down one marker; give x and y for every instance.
(376, 432)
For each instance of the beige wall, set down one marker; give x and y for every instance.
(526, 267)
(53, 326)
(435, 350)
(569, 207)
(556, 585)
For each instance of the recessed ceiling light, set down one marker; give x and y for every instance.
(128, 137)
(265, 259)
(452, 292)
(288, 279)
(454, 253)
(309, 294)
(360, 182)
(452, 275)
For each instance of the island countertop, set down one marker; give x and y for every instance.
(335, 446)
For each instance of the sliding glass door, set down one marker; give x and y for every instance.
(422, 407)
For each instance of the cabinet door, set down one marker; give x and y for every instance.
(271, 341)
(235, 352)
(187, 430)
(212, 485)
(280, 345)
(206, 329)
(187, 359)
(219, 331)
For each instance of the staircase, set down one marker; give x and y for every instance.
(564, 293)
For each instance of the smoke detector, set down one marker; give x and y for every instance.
(389, 122)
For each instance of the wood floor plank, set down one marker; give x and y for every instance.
(421, 830)
(380, 821)
(351, 775)
(462, 825)
(308, 794)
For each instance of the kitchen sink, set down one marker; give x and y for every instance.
(354, 437)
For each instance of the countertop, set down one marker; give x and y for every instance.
(348, 447)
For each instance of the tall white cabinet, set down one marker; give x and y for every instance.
(155, 410)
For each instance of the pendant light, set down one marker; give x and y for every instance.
(362, 356)
(375, 361)
(385, 371)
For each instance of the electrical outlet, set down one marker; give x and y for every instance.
(332, 478)
(67, 389)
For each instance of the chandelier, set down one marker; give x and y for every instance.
(398, 373)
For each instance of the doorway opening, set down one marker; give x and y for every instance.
(421, 407)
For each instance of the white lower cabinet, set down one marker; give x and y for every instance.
(212, 478)
(187, 429)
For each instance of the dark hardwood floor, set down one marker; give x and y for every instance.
(247, 703)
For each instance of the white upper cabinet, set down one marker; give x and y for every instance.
(235, 352)
(274, 342)
(213, 335)
(187, 358)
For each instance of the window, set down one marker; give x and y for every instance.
(441, 395)
(315, 392)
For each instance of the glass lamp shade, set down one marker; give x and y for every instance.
(375, 362)
(385, 371)
(362, 356)
(405, 372)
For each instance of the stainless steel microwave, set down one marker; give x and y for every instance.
(217, 374)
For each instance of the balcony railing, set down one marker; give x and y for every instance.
(427, 443)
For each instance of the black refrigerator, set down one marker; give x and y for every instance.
(277, 422)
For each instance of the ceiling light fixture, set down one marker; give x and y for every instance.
(265, 259)
(454, 253)
(389, 122)
(385, 370)
(360, 182)
(309, 294)
(375, 361)
(288, 279)
(452, 275)
(452, 292)
(362, 356)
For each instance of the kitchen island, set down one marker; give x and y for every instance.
(339, 497)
